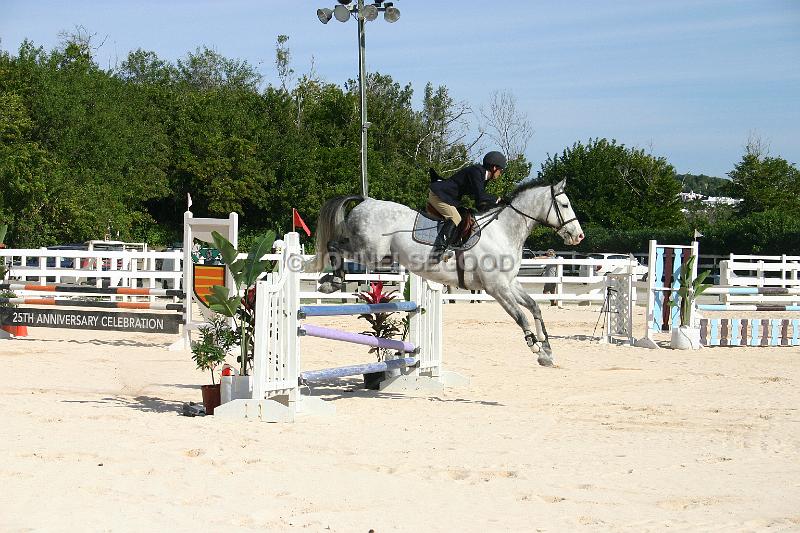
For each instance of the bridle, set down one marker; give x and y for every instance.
(553, 206)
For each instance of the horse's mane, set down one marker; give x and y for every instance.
(525, 185)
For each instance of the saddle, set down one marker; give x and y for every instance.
(428, 224)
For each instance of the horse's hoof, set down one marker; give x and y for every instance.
(328, 287)
(545, 360)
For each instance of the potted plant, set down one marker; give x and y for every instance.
(241, 310)
(216, 339)
(384, 325)
(687, 336)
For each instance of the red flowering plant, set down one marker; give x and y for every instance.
(383, 324)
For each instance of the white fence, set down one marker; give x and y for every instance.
(165, 270)
(760, 271)
(96, 268)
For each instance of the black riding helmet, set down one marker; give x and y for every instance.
(494, 158)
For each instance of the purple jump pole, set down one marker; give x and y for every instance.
(356, 338)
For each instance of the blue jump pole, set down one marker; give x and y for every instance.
(355, 309)
(747, 307)
(356, 338)
(356, 370)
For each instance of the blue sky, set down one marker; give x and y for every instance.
(687, 80)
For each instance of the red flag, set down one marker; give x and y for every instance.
(297, 221)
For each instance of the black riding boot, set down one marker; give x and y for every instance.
(444, 239)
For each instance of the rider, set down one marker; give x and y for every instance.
(445, 196)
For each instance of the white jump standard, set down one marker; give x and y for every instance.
(277, 375)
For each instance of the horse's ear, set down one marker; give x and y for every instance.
(560, 185)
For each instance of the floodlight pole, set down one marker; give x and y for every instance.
(362, 85)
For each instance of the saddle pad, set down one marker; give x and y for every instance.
(426, 229)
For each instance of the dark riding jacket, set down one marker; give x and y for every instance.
(469, 181)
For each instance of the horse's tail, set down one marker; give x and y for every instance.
(330, 226)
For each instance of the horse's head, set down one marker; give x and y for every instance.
(556, 212)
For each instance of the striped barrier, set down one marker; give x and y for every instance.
(82, 289)
(75, 318)
(277, 375)
(664, 266)
(183, 318)
(357, 338)
(746, 307)
(749, 332)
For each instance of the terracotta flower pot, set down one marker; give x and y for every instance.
(211, 398)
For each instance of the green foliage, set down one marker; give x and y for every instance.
(765, 184)
(702, 184)
(616, 187)
(245, 273)
(216, 339)
(83, 148)
(689, 289)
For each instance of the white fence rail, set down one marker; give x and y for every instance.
(573, 280)
(94, 268)
(760, 271)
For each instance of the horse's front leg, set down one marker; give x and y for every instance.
(524, 299)
(507, 299)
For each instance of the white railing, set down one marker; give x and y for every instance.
(760, 271)
(99, 269)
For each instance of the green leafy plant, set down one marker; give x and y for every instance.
(3, 268)
(383, 324)
(216, 339)
(245, 273)
(688, 290)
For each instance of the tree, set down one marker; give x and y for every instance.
(507, 126)
(206, 69)
(765, 183)
(616, 187)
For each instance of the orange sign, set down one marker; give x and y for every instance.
(204, 277)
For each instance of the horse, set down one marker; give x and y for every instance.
(374, 230)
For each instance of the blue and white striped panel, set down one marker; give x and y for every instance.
(736, 332)
(675, 311)
(658, 298)
(775, 332)
(713, 332)
(755, 332)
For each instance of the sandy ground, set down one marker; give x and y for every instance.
(614, 439)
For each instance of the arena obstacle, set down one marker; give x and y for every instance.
(91, 320)
(277, 375)
(664, 266)
(201, 229)
(749, 332)
(184, 318)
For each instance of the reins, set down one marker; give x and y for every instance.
(553, 205)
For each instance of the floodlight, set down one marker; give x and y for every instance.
(391, 14)
(370, 12)
(324, 15)
(341, 13)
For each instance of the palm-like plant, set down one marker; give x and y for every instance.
(245, 273)
(688, 290)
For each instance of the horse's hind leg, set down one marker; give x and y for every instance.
(508, 300)
(334, 281)
(524, 299)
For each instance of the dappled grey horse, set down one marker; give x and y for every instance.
(375, 229)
